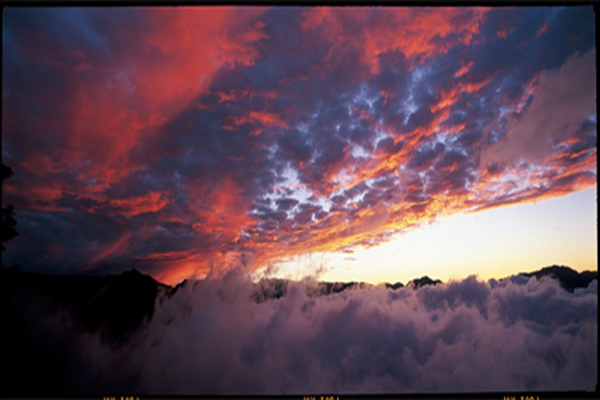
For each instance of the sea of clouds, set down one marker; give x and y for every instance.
(210, 337)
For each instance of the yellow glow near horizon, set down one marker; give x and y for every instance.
(491, 244)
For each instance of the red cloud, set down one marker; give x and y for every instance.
(212, 133)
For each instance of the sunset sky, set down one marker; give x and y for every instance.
(368, 144)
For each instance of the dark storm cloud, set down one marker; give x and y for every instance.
(387, 145)
(424, 156)
(470, 139)
(393, 78)
(217, 337)
(453, 170)
(420, 118)
(286, 204)
(62, 238)
(545, 38)
(293, 142)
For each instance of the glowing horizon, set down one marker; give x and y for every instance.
(409, 256)
(176, 140)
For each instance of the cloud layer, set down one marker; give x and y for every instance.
(180, 139)
(212, 337)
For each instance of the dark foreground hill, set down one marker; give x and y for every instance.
(112, 306)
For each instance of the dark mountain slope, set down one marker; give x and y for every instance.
(40, 313)
(395, 286)
(568, 278)
(115, 304)
(423, 281)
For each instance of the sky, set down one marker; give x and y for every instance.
(373, 144)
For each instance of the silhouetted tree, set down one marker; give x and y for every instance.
(8, 214)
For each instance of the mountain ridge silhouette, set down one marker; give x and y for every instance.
(118, 305)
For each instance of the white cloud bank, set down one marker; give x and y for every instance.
(465, 336)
